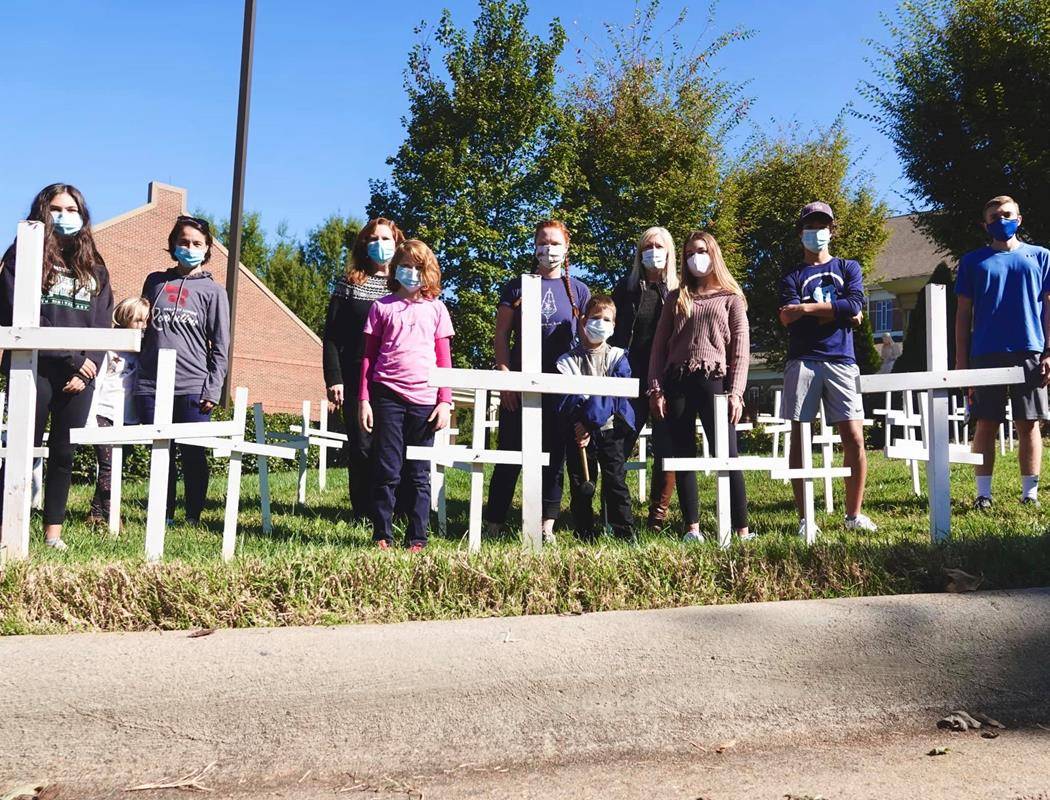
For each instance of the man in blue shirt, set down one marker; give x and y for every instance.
(1002, 290)
(821, 301)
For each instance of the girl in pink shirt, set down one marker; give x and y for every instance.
(406, 334)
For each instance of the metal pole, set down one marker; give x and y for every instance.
(237, 202)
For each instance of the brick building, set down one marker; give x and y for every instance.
(274, 353)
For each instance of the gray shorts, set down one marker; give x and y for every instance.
(807, 382)
(1028, 399)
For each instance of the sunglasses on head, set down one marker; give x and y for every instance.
(203, 223)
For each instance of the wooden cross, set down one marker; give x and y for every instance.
(939, 381)
(24, 339)
(161, 433)
(723, 464)
(321, 438)
(642, 464)
(532, 383)
(827, 439)
(807, 473)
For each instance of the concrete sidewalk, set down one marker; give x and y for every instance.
(104, 711)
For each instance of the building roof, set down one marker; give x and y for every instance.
(908, 253)
(275, 354)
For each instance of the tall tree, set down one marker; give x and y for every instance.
(301, 287)
(963, 92)
(649, 116)
(327, 247)
(481, 160)
(758, 208)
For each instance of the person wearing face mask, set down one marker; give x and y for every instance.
(190, 314)
(598, 425)
(408, 333)
(1002, 293)
(561, 298)
(344, 343)
(75, 293)
(701, 348)
(639, 299)
(821, 302)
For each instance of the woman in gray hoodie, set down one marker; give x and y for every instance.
(190, 314)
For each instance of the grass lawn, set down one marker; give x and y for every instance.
(316, 568)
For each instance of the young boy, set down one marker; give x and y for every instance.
(1002, 289)
(598, 425)
(821, 302)
(114, 384)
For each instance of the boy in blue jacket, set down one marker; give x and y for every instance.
(598, 425)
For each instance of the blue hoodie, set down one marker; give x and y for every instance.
(838, 282)
(594, 411)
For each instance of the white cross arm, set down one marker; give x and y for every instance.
(462, 456)
(540, 382)
(950, 379)
(137, 434)
(38, 452)
(224, 447)
(315, 433)
(716, 464)
(957, 454)
(819, 472)
(69, 338)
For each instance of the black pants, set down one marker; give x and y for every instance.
(195, 470)
(606, 449)
(359, 441)
(104, 481)
(505, 476)
(66, 411)
(687, 397)
(396, 425)
(660, 440)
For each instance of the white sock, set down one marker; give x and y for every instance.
(984, 485)
(1030, 486)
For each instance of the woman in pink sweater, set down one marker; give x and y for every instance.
(701, 348)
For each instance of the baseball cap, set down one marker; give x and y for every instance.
(817, 207)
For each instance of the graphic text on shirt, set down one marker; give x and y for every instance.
(67, 292)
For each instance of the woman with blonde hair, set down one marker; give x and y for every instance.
(701, 348)
(639, 299)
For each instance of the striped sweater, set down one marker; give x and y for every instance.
(714, 339)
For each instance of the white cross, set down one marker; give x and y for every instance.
(161, 434)
(24, 339)
(532, 383)
(940, 382)
(827, 439)
(321, 438)
(642, 464)
(807, 473)
(722, 464)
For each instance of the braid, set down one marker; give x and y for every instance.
(568, 291)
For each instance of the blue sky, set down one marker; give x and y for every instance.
(111, 94)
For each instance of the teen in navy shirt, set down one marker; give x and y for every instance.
(821, 302)
(1002, 289)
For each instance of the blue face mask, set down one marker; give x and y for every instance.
(189, 257)
(67, 223)
(409, 277)
(817, 240)
(381, 250)
(1003, 230)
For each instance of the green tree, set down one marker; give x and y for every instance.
(868, 358)
(301, 287)
(648, 122)
(328, 246)
(482, 159)
(963, 92)
(758, 208)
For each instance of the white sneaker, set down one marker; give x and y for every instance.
(802, 529)
(549, 538)
(861, 522)
(692, 536)
(750, 536)
(56, 544)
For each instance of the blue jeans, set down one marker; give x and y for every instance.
(194, 459)
(396, 424)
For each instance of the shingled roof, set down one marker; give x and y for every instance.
(908, 253)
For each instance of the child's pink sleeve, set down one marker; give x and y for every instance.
(443, 351)
(369, 358)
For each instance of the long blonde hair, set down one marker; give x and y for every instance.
(720, 274)
(670, 275)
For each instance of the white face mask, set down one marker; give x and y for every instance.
(550, 256)
(598, 330)
(654, 258)
(699, 264)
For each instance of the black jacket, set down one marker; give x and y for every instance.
(626, 297)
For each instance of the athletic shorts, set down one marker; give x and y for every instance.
(807, 382)
(1028, 399)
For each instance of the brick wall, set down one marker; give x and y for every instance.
(275, 355)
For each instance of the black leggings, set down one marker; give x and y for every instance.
(689, 396)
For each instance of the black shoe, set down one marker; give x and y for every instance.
(1030, 501)
(982, 503)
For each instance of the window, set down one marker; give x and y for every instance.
(881, 312)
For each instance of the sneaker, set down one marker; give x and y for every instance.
(416, 548)
(802, 529)
(56, 544)
(750, 536)
(383, 544)
(861, 522)
(549, 538)
(1030, 501)
(982, 503)
(692, 536)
